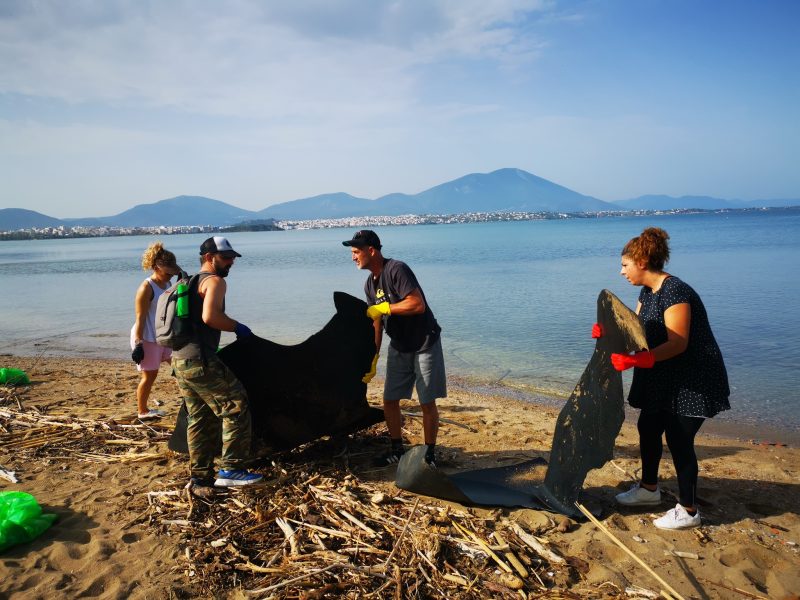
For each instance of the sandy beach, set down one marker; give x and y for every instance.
(73, 441)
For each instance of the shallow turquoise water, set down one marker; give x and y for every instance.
(516, 300)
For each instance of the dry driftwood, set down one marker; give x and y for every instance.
(31, 432)
(313, 531)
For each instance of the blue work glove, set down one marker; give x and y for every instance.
(242, 331)
(137, 355)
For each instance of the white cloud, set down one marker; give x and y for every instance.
(267, 60)
(202, 94)
(255, 102)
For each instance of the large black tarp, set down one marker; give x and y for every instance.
(299, 393)
(500, 486)
(589, 422)
(584, 437)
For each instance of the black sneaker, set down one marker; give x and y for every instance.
(201, 482)
(430, 459)
(201, 487)
(390, 458)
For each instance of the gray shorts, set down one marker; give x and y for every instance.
(426, 369)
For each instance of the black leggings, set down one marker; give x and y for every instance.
(680, 432)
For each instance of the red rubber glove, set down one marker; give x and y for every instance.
(597, 331)
(643, 360)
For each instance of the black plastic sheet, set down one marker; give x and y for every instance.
(300, 393)
(584, 436)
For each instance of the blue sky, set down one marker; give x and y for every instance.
(106, 104)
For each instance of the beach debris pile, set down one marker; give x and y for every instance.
(33, 431)
(317, 530)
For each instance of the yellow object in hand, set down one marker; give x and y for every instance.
(376, 311)
(368, 376)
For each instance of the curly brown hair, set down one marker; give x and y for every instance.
(154, 252)
(651, 246)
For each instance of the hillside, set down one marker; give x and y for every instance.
(504, 190)
(181, 210)
(330, 206)
(20, 218)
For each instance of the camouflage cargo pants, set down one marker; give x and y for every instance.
(215, 400)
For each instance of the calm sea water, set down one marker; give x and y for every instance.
(516, 300)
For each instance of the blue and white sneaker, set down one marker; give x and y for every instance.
(235, 478)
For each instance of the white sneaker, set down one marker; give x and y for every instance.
(153, 413)
(678, 518)
(639, 496)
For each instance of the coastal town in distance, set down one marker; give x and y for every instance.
(63, 231)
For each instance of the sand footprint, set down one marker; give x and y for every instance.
(748, 565)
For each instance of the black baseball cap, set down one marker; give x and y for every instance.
(218, 245)
(364, 238)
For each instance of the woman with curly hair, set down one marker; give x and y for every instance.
(678, 383)
(147, 354)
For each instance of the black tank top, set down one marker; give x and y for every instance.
(206, 339)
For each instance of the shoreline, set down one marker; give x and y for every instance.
(84, 231)
(725, 425)
(722, 425)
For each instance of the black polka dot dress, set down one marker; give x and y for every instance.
(692, 384)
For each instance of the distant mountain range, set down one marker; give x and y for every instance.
(504, 190)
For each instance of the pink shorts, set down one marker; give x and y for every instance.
(154, 355)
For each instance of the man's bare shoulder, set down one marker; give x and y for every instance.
(211, 283)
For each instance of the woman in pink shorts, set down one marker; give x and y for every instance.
(147, 354)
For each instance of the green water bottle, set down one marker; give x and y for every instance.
(182, 304)
(13, 377)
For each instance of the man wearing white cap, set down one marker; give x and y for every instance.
(213, 395)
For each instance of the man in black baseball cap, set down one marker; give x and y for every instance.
(397, 304)
(363, 239)
(218, 245)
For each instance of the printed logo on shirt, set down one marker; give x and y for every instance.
(378, 294)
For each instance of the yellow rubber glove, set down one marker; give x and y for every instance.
(376, 311)
(368, 376)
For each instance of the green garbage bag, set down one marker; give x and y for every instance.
(21, 519)
(13, 377)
